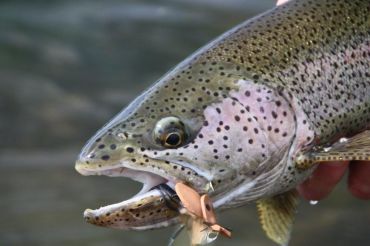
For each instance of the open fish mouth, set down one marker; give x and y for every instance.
(156, 205)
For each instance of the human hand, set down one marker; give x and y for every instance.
(328, 174)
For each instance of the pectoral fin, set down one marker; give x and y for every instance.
(356, 148)
(277, 216)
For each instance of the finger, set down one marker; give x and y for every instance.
(359, 179)
(323, 180)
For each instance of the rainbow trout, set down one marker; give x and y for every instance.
(244, 118)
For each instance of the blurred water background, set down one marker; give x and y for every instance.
(66, 67)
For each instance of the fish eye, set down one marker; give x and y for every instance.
(170, 132)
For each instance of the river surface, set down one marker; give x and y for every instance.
(66, 67)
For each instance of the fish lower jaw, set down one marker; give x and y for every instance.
(148, 209)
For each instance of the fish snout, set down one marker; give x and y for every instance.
(101, 153)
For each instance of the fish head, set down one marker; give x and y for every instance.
(152, 141)
(208, 124)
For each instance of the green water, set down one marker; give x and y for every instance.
(66, 67)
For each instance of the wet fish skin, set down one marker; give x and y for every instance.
(313, 57)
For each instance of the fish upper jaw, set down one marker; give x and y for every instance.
(106, 154)
(147, 169)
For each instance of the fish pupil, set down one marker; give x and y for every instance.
(173, 139)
